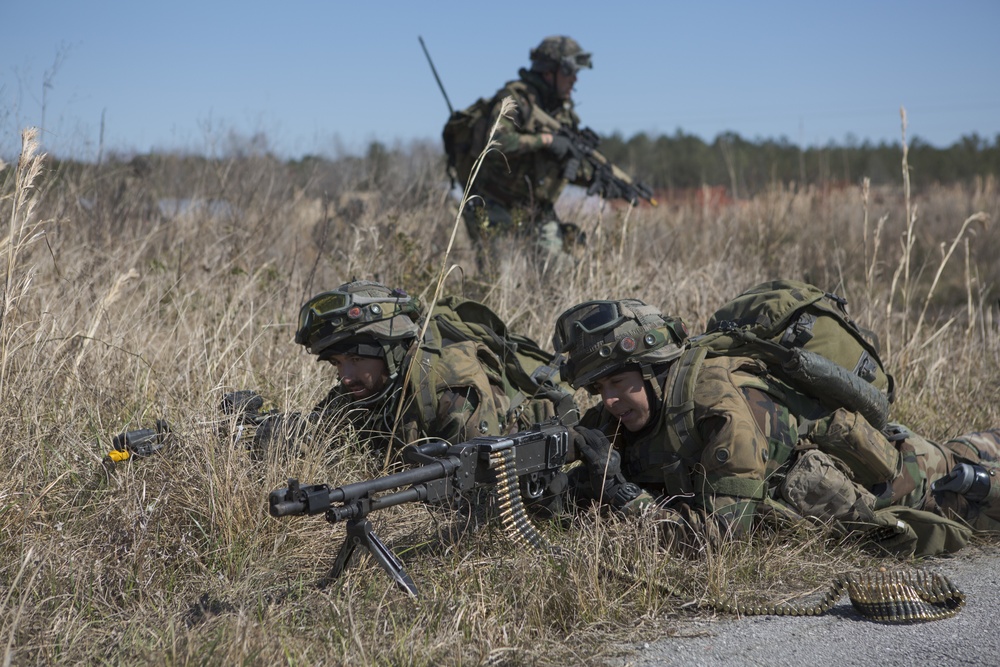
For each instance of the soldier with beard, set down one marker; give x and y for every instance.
(394, 391)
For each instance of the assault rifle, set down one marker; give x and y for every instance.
(609, 181)
(140, 443)
(243, 407)
(524, 462)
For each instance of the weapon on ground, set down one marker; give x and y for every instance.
(609, 181)
(524, 462)
(243, 407)
(140, 442)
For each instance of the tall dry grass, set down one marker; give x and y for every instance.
(116, 313)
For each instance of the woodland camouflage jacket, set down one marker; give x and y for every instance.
(752, 429)
(527, 176)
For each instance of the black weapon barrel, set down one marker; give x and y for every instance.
(414, 494)
(317, 498)
(425, 473)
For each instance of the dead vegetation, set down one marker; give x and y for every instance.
(115, 314)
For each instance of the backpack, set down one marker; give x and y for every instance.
(530, 375)
(464, 138)
(807, 339)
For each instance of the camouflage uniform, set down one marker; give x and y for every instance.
(443, 389)
(447, 395)
(763, 452)
(518, 189)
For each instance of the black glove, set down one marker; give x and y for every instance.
(561, 147)
(605, 185)
(603, 465)
(594, 449)
(241, 402)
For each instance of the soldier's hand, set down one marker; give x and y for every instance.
(594, 449)
(561, 147)
(286, 431)
(603, 465)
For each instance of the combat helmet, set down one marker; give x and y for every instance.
(559, 52)
(604, 337)
(360, 317)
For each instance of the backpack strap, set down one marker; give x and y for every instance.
(678, 403)
(420, 364)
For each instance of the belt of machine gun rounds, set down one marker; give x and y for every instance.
(886, 597)
(512, 514)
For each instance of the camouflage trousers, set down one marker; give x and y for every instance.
(554, 240)
(924, 462)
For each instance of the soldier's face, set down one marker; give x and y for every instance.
(361, 376)
(564, 84)
(624, 396)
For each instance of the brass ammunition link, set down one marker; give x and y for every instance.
(512, 513)
(885, 597)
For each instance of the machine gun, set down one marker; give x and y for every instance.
(609, 180)
(525, 462)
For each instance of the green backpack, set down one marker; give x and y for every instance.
(530, 374)
(808, 340)
(464, 138)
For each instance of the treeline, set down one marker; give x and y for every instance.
(745, 167)
(410, 172)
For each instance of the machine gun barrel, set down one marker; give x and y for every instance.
(317, 498)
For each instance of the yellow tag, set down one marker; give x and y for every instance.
(117, 456)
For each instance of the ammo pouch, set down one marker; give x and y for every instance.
(866, 452)
(817, 487)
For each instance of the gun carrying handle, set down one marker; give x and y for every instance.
(426, 452)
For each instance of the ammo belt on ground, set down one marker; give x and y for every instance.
(886, 597)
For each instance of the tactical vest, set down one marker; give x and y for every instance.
(518, 382)
(530, 180)
(665, 456)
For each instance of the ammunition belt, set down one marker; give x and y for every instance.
(886, 597)
(512, 513)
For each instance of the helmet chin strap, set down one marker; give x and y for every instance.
(394, 355)
(650, 377)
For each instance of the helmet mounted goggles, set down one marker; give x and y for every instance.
(574, 63)
(603, 337)
(592, 317)
(340, 309)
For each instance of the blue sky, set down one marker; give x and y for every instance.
(329, 77)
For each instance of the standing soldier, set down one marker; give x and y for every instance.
(517, 187)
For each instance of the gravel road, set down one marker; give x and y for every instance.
(843, 638)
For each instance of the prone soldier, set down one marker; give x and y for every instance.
(759, 451)
(395, 388)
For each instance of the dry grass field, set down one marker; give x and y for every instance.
(116, 312)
